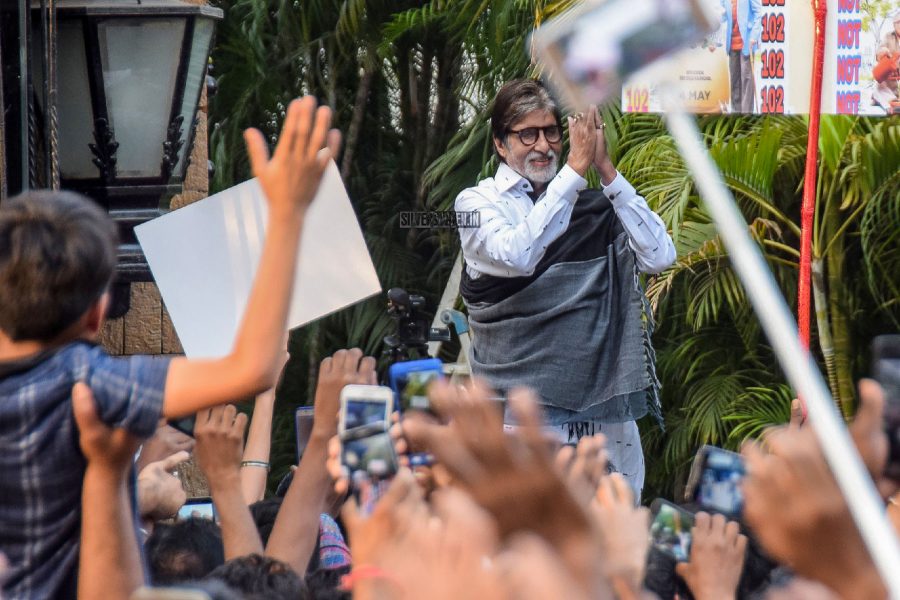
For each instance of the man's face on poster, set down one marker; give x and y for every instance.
(538, 161)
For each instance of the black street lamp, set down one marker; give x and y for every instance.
(128, 76)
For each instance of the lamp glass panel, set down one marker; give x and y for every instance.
(203, 30)
(140, 65)
(75, 116)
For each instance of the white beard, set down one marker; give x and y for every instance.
(539, 175)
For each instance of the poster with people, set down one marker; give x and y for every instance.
(759, 61)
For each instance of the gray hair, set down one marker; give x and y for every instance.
(515, 100)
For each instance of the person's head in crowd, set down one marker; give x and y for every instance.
(258, 577)
(660, 577)
(57, 258)
(324, 584)
(184, 551)
(526, 128)
(264, 514)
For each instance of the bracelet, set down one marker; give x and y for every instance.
(255, 463)
(365, 572)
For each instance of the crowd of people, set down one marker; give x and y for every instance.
(497, 513)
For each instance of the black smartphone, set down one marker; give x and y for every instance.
(185, 425)
(670, 530)
(886, 371)
(303, 424)
(715, 481)
(201, 507)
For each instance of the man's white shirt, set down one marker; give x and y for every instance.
(515, 232)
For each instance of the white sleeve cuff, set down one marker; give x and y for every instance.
(568, 183)
(619, 191)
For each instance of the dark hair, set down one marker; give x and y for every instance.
(323, 584)
(515, 100)
(57, 257)
(261, 577)
(184, 551)
(660, 577)
(264, 514)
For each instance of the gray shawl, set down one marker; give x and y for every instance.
(577, 331)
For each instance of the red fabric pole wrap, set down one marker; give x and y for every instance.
(808, 208)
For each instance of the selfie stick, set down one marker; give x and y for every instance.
(779, 325)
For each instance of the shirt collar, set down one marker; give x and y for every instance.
(506, 179)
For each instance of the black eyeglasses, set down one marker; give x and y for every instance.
(529, 135)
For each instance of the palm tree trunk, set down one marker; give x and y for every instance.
(359, 111)
(826, 344)
(837, 303)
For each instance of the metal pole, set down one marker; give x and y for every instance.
(780, 327)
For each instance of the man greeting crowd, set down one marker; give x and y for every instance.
(550, 277)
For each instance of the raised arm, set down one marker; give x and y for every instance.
(289, 181)
(255, 465)
(220, 442)
(647, 234)
(296, 528)
(109, 562)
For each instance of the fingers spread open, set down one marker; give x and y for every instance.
(257, 150)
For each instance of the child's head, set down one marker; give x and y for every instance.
(57, 258)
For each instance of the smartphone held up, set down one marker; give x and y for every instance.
(714, 483)
(367, 449)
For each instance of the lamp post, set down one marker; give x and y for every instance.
(129, 76)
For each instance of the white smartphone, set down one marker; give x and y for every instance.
(367, 448)
(593, 47)
(365, 409)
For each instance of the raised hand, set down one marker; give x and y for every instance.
(220, 443)
(104, 447)
(798, 514)
(623, 532)
(602, 162)
(510, 475)
(164, 443)
(160, 493)
(342, 368)
(717, 558)
(582, 140)
(584, 466)
(291, 177)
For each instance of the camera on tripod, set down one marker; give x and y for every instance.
(414, 329)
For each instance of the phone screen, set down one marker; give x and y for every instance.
(370, 454)
(371, 414)
(670, 531)
(200, 508)
(303, 424)
(371, 463)
(413, 389)
(719, 489)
